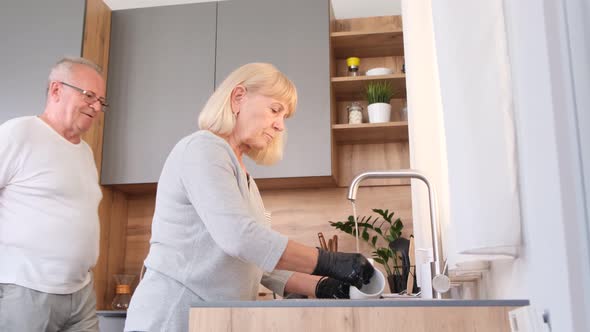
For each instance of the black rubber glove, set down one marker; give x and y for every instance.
(328, 288)
(354, 269)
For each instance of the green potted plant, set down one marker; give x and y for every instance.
(378, 233)
(378, 97)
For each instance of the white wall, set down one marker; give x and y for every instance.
(478, 117)
(426, 134)
(553, 268)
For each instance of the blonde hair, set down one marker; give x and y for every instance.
(261, 78)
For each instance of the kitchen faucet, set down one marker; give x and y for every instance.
(413, 174)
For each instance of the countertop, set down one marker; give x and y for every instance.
(111, 313)
(394, 302)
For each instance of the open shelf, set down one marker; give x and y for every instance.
(367, 133)
(353, 87)
(379, 42)
(367, 43)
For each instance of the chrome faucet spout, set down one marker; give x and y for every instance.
(412, 174)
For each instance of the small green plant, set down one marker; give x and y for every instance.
(371, 231)
(379, 92)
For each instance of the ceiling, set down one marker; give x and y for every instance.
(342, 8)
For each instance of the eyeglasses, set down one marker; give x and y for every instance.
(90, 97)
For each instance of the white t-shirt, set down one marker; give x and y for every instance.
(49, 196)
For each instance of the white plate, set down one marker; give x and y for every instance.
(379, 71)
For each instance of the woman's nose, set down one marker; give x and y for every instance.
(279, 124)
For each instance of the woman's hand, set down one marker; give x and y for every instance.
(351, 268)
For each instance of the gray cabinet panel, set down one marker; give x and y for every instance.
(294, 36)
(161, 71)
(110, 323)
(34, 35)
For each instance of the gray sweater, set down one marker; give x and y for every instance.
(209, 230)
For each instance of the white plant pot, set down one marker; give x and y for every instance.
(379, 112)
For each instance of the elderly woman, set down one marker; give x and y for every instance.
(210, 238)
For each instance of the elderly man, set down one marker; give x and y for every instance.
(49, 196)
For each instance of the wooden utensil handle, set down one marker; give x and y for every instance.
(410, 284)
(322, 241)
(412, 270)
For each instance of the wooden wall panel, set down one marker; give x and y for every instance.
(100, 269)
(95, 47)
(115, 251)
(379, 23)
(298, 213)
(139, 225)
(333, 109)
(357, 158)
(301, 214)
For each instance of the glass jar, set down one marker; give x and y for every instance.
(404, 112)
(353, 64)
(355, 113)
(122, 291)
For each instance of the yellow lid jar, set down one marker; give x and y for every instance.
(353, 64)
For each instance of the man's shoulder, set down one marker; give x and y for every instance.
(20, 122)
(86, 146)
(17, 127)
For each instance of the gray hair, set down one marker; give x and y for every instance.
(63, 68)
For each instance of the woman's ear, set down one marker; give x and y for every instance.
(237, 96)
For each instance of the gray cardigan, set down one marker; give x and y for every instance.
(209, 230)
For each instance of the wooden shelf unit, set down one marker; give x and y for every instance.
(378, 42)
(367, 43)
(370, 133)
(353, 87)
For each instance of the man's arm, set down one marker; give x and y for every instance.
(8, 150)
